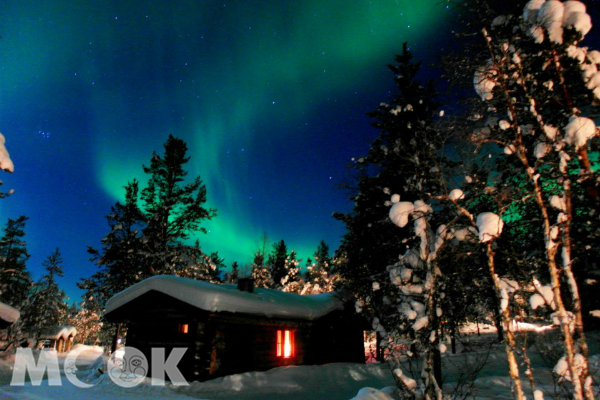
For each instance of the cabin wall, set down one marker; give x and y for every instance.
(242, 343)
(227, 343)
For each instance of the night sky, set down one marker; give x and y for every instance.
(270, 97)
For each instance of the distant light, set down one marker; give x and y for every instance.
(183, 328)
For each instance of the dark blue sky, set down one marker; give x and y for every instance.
(270, 97)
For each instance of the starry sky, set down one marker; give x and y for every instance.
(270, 97)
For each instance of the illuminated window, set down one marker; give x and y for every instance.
(183, 328)
(285, 344)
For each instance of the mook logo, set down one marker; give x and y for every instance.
(127, 367)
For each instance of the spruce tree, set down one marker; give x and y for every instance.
(119, 260)
(46, 306)
(173, 209)
(149, 232)
(261, 273)
(15, 280)
(319, 272)
(292, 281)
(276, 262)
(232, 277)
(372, 242)
(87, 321)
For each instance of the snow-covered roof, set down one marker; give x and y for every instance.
(8, 313)
(58, 332)
(227, 297)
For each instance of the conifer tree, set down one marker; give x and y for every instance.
(149, 232)
(173, 209)
(276, 262)
(219, 266)
(261, 273)
(292, 281)
(371, 242)
(46, 306)
(119, 261)
(405, 168)
(87, 321)
(320, 269)
(232, 277)
(15, 280)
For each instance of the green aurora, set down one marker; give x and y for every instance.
(259, 91)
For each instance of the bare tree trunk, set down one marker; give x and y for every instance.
(513, 367)
(498, 323)
(453, 337)
(115, 341)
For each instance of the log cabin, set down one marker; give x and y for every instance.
(59, 338)
(229, 329)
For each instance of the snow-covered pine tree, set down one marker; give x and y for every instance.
(292, 281)
(261, 273)
(322, 262)
(276, 262)
(87, 321)
(219, 266)
(173, 210)
(320, 276)
(196, 264)
(233, 275)
(46, 306)
(15, 280)
(371, 241)
(403, 299)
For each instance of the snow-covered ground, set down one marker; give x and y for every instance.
(343, 381)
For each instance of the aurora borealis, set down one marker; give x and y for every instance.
(270, 97)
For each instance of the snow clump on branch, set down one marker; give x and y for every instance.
(579, 130)
(489, 225)
(456, 194)
(554, 16)
(6, 163)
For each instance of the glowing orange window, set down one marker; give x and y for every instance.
(285, 344)
(183, 328)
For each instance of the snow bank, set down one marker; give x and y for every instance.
(8, 313)
(339, 381)
(210, 297)
(368, 393)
